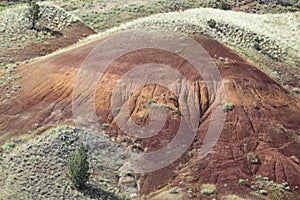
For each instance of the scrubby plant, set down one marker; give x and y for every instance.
(211, 23)
(256, 46)
(243, 182)
(33, 13)
(9, 146)
(263, 192)
(252, 158)
(296, 90)
(173, 191)
(228, 107)
(78, 167)
(208, 189)
(2, 4)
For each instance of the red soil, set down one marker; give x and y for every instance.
(269, 129)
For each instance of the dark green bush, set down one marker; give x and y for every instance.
(33, 13)
(78, 168)
(2, 4)
(223, 5)
(211, 23)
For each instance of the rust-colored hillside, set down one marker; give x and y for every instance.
(264, 123)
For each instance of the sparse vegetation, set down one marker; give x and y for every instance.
(228, 107)
(265, 187)
(208, 189)
(252, 158)
(78, 168)
(173, 191)
(8, 83)
(233, 197)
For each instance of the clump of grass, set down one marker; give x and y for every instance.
(9, 146)
(243, 182)
(296, 90)
(233, 197)
(105, 126)
(173, 190)
(252, 158)
(208, 189)
(2, 4)
(228, 107)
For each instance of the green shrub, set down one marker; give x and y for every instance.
(223, 5)
(9, 146)
(243, 182)
(211, 23)
(173, 191)
(78, 168)
(2, 4)
(257, 46)
(208, 189)
(228, 107)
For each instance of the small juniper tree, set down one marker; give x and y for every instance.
(223, 5)
(33, 13)
(78, 167)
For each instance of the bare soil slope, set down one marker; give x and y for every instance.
(35, 48)
(264, 124)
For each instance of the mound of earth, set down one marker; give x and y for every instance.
(102, 15)
(257, 37)
(259, 141)
(38, 169)
(56, 29)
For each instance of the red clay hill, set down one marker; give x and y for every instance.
(261, 135)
